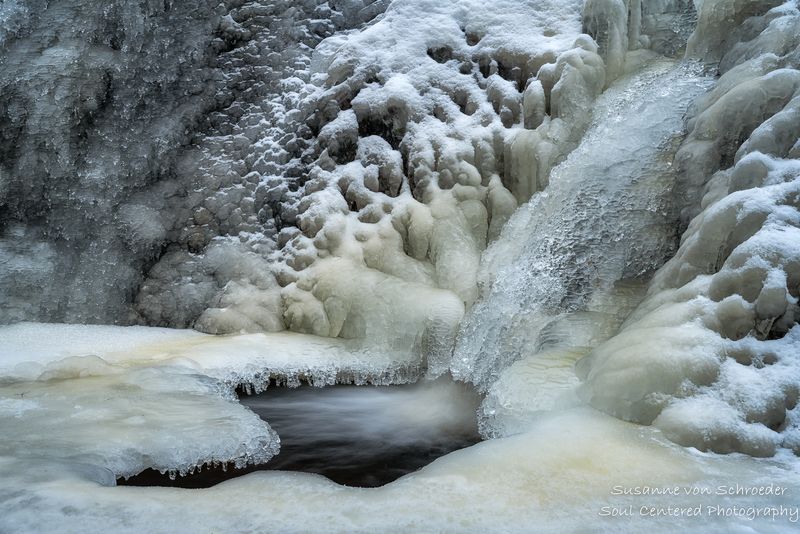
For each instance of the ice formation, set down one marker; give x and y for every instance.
(31, 350)
(561, 202)
(402, 184)
(129, 421)
(117, 397)
(711, 355)
(137, 133)
(391, 155)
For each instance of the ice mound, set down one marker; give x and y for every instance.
(412, 117)
(711, 355)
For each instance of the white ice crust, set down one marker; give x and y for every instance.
(130, 398)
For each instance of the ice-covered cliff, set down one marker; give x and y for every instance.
(129, 134)
(236, 176)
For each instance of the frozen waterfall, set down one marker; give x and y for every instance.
(571, 263)
(586, 213)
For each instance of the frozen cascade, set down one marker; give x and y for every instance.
(571, 263)
(454, 113)
(710, 356)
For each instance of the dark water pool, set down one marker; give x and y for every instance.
(363, 436)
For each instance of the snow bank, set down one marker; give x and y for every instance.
(414, 114)
(553, 479)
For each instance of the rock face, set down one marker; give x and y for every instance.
(125, 141)
(94, 105)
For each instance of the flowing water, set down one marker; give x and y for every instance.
(359, 436)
